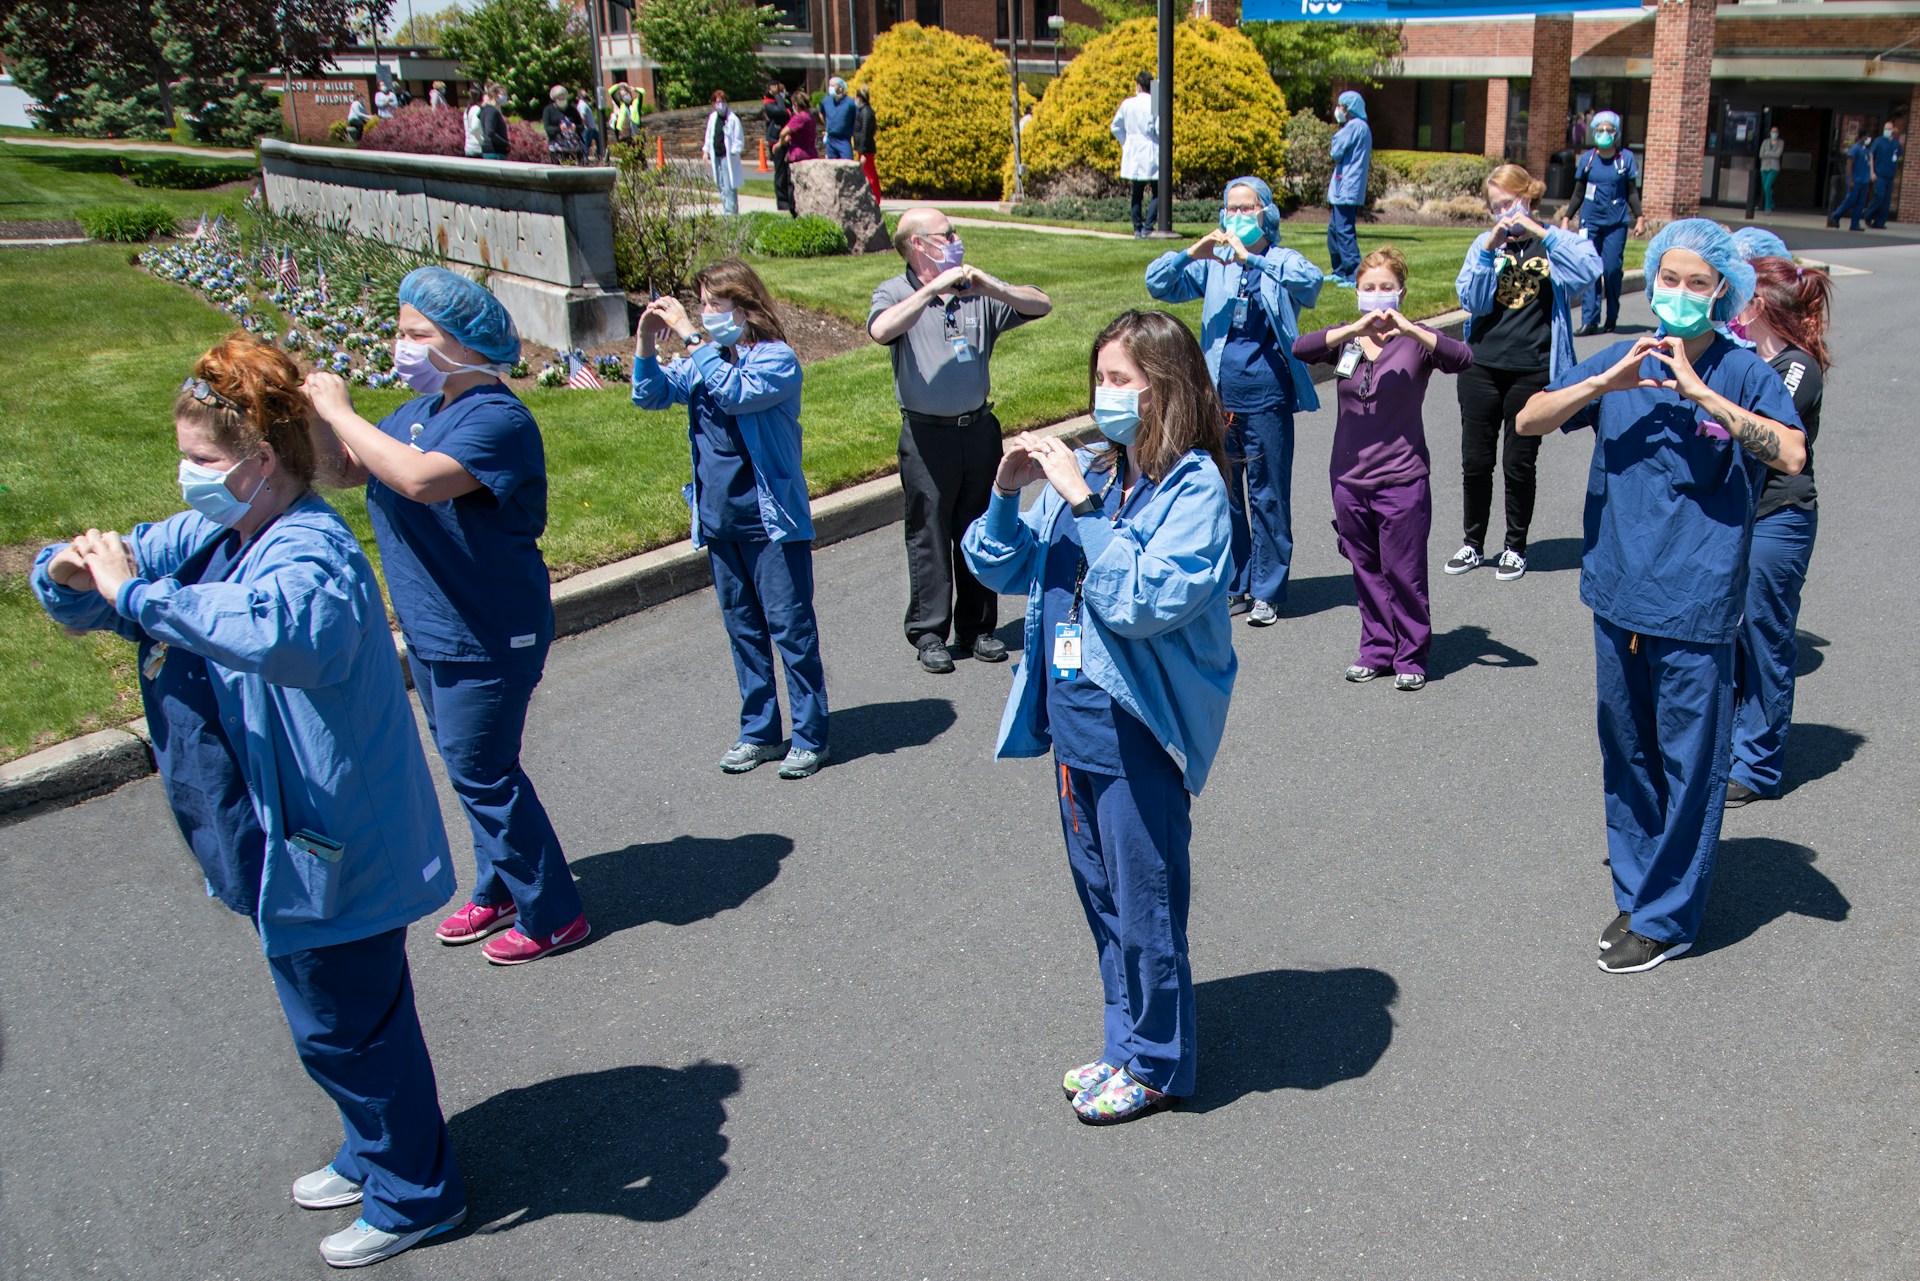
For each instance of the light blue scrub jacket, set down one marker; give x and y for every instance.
(1573, 264)
(1352, 150)
(762, 392)
(1157, 636)
(1288, 284)
(308, 685)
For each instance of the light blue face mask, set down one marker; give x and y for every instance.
(205, 490)
(1244, 227)
(1116, 412)
(721, 327)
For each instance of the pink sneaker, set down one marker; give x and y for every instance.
(515, 948)
(473, 923)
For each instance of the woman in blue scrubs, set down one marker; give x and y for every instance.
(457, 491)
(1787, 323)
(1687, 425)
(1606, 203)
(1254, 292)
(748, 500)
(1126, 675)
(286, 745)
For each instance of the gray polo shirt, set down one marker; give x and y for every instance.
(928, 375)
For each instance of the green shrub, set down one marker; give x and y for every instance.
(337, 131)
(1115, 209)
(1230, 118)
(182, 177)
(664, 226)
(1435, 175)
(942, 106)
(126, 222)
(809, 236)
(1310, 162)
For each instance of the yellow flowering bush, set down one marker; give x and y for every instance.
(1229, 117)
(942, 108)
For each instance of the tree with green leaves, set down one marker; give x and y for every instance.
(1112, 14)
(1306, 59)
(526, 45)
(424, 29)
(703, 45)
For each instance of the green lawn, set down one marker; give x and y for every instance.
(85, 435)
(44, 183)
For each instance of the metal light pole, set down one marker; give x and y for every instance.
(593, 46)
(1013, 65)
(1056, 24)
(1163, 106)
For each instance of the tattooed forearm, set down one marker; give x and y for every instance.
(1759, 441)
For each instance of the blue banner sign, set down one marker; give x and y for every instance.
(1398, 10)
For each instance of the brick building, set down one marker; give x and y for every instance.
(1722, 73)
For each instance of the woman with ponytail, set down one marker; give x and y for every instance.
(1787, 323)
(287, 747)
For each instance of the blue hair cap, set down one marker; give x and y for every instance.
(1715, 244)
(1758, 242)
(1356, 105)
(1269, 212)
(1601, 118)
(465, 312)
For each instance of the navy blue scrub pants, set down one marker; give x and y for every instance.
(1882, 203)
(1611, 242)
(1766, 650)
(766, 600)
(350, 1009)
(1128, 843)
(1343, 242)
(1666, 735)
(477, 712)
(1260, 501)
(1855, 203)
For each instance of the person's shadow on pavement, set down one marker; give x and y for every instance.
(1757, 879)
(1554, 555)
(881, 729)
(640, 1142)
(1289, 1030)
(1471, 646)
(676, 882)
(1815, 751)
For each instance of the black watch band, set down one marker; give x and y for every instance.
(1086, 506)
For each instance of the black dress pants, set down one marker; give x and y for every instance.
(947, 476)
(1490, 399)
(782, 181)
(1147, 192)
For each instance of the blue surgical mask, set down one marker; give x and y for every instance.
(721, 327)
(1244, 227)
(205, 490)
(1116, 412)
(1682, 312)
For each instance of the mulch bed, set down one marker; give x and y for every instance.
(46, 229)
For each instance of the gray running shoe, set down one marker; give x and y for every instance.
(802, 764)
(324, 1190)
(361, 1244)
(742, 757)
(1407, 682)
(1263, 615)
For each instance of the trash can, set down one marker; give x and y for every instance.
(1559, 176)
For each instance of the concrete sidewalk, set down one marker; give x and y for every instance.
(128, 144)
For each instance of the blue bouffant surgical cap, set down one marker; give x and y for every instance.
(465, 312)
(1269, 212)
(1758, 242)
(1715, 244)
(1604, 118)
(1356, 105)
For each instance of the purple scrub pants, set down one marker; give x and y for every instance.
(1383, 532)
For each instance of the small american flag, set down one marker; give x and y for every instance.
(580, 374)
(200, 230)
(320, 283)
(289, 270)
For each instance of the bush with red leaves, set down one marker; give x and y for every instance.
(442, 131)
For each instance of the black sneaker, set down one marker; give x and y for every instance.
(1238, 605)
(1739, 794)
(1467, 558)
(988, 649)
(1616, 930)
(1635, 953)
(934, 657)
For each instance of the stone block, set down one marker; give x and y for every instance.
(837, 189)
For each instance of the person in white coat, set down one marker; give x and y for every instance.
(1137, 129)
(721, 148)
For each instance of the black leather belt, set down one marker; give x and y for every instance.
(935, 420)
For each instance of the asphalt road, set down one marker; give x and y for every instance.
(819, 1030)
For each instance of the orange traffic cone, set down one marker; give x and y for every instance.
(763, 157)
(659, 152)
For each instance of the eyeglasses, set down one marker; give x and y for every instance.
(202, 391)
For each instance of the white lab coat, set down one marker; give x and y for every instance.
(736, 140)
(1137, 129)
(475, 144)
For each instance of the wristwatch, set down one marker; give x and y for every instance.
(694, 339)
(1086, 506)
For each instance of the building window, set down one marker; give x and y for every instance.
(885, 14)
(1043, 10)
(1519, 92)
(615, 20)
(927, 13)
(795, 15)
(1440, 115)
(1002, 26)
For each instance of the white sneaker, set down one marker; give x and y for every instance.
(361, 1244)
(324, 1190)
(1463, 560)
(1510, 566)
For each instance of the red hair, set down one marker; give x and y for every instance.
(1796, 303)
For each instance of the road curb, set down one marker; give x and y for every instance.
(82, 768)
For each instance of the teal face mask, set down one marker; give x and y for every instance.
(1242, 227)
(1682, 312)
(1603, 139)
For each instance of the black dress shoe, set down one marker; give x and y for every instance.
(1586, 331)
(934, 657)
(1739, 794)
(988, 649)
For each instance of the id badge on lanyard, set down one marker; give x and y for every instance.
(1349, 359)
(956, 333)
(1066, 651)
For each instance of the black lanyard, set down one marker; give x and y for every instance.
(1080, 575)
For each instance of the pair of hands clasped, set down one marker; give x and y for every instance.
(1032, 457)
(93, 561)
